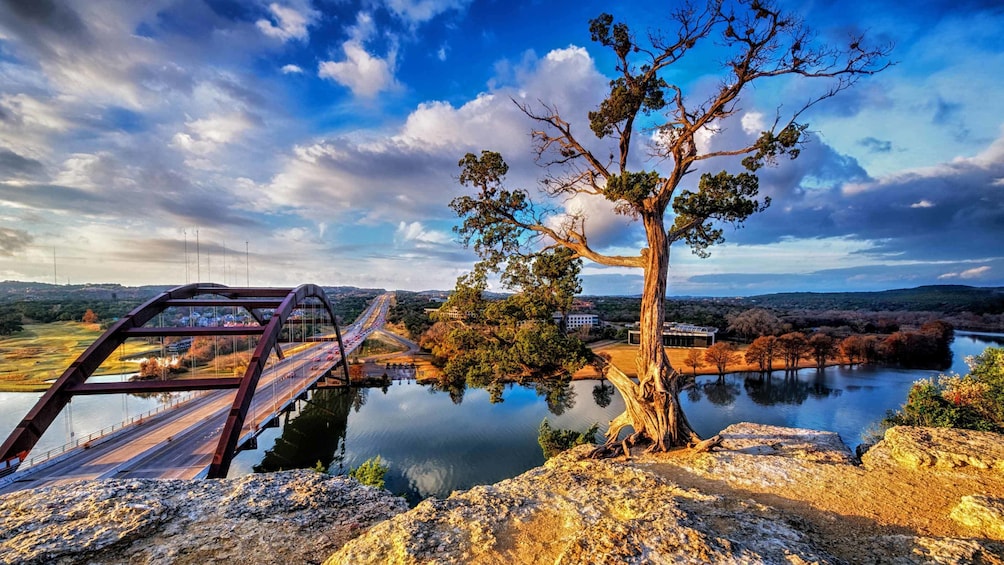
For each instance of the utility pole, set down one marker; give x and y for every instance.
(198, 258)
(187, 274)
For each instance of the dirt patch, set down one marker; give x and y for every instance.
(846, 508)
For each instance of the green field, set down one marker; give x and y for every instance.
(42, 352)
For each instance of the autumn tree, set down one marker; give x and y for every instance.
(720, 355)
(793, 346)
(646, 114)
(762, 352)
(694, 359)
(853, 348)
(89, 317)
(822, 348)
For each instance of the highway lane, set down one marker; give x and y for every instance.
(180, 443)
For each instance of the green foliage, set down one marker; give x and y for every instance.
(319, 467)
(409, 309)
(724, 198)
(512, 337)
(372, 472)
(974, 401)
(554, 440)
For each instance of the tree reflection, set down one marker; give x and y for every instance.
(558, 394)
(454, 387)
(721, 392)
(788, 390)
(603, 394)
(316, 434)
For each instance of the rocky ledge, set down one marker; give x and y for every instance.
(768, 495)
(289, 517)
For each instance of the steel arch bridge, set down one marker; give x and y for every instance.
(270, 307)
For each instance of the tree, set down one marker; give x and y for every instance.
(89, 317)
(693, 359)
(854, 348)
(757, 42)
(762, 352)
(754, 322)
(793, 347)
(720, 355)
(513, 337)
(371, 472)
(822, 347)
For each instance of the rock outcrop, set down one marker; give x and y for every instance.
(289, 517)
(939, 448)
(768, 495)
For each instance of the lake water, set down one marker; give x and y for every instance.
(435, 443)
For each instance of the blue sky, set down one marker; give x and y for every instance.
(325, 134)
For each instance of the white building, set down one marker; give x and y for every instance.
(675, 334)
(576, 321)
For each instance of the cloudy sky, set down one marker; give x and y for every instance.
(318, 140)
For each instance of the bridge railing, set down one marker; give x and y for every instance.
(93, 436)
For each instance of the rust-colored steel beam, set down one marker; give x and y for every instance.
(227, 446)
(27, 433)
(178, 331)
(180, 385)
(73, 380)
(247, 303)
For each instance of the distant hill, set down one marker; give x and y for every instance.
(936, 298)
(17, 291)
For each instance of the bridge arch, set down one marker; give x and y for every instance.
(282, 302)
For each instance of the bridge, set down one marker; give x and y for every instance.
(196, 438)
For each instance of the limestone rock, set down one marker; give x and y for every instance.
(292, 517)
(982, 512)
(939, 448)
(576, 510)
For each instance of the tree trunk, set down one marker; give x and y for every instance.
(652, 405)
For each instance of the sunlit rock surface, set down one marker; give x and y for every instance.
(583, 511)
(941, 448)
(289, 517)
(768, 495)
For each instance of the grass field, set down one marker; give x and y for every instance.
(42, 352)
(622, 356)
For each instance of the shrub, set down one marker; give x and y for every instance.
(372, 472)
(974, 401)
(553, 441)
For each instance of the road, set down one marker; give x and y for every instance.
(179, 443)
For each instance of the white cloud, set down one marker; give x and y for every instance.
(441, 53)
(291, 69)
(922, 204)
(364, 74)
(419, 11)
(288, 23)
(417, 233)
(974, 273)
(753, 123)
(207, 134)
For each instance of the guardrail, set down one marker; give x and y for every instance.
(83, 441)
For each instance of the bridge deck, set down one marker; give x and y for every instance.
(179, 443)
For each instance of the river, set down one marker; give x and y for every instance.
(435, 442)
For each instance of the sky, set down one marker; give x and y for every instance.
(291, 141)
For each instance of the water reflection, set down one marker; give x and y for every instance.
(317, 434)
(767, 390)
(603, 393)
